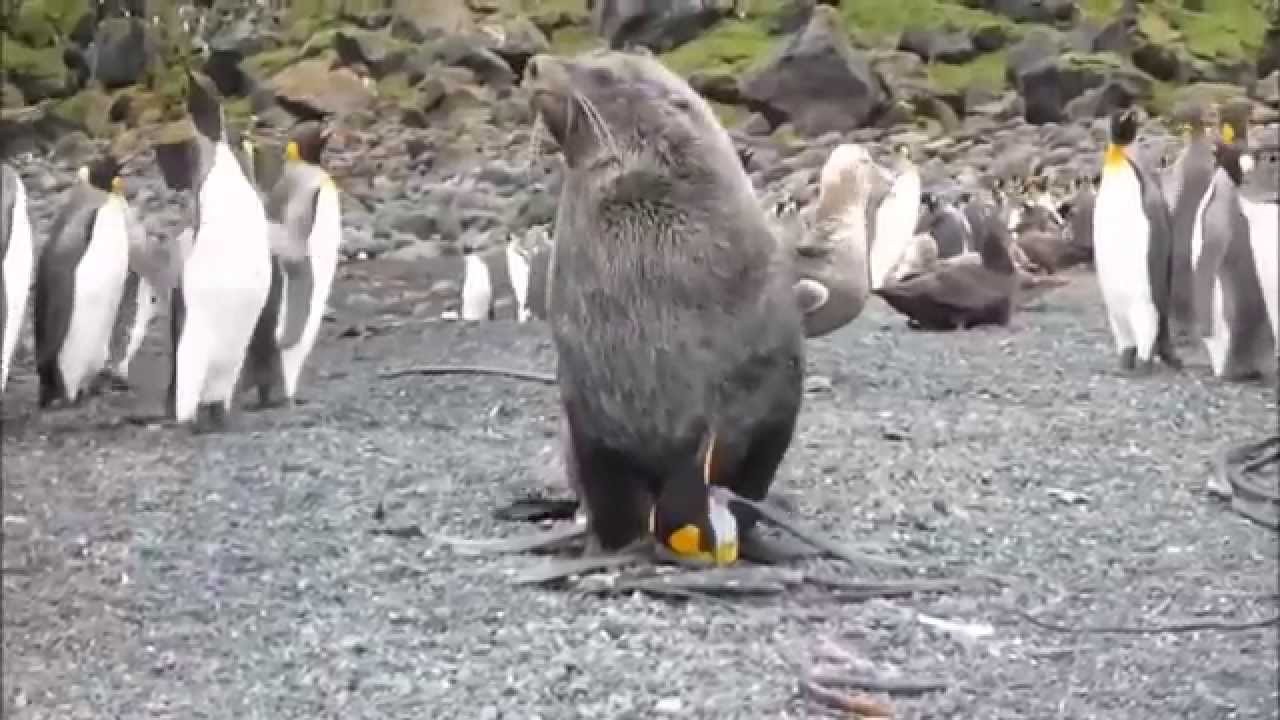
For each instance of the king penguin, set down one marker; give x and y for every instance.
(895, 218)
(1132, 237)
(1233, 247)
(18, 261)
(1191, 173)
(80, 279)
(305, 224)
(226, 272)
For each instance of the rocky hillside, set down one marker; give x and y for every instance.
(429, 89)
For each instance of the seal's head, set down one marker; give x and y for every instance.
(624, 109)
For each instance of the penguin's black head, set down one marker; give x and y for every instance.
(104, 174)
(1228, 156)
(205, 106)
(1124, 126)
(964, 197)
(929, 200)
(307, 142)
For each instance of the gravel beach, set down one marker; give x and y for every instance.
(150, 573)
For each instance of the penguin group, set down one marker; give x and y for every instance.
(246, 284)
(1191, 255)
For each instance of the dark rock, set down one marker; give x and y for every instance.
(123, 49)
(378, 52)
(990, 38)
(660, 25)
(1269, 56)
(471, 53)
(816, 80)
(1268, 89)
(1036, 11)
(718, 86)
(1049, 85)
(1038, 45)
(938, 44)
(518, 40)
(10, 96)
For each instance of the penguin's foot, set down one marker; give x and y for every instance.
(211, 418)
(1129, 359)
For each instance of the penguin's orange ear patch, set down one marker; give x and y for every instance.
(291, 151)
(117, 185)
(686, 541)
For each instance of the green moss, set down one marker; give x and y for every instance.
(266, 64)
(985, 71)
(574, 39)
(42, 23)
(731, 46)
(1227, 28)
(41, 67)
(730, 115)
(883, 21)
(547, 12)
(397, 88)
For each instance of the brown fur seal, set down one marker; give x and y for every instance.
(959, 293)
(679, 340)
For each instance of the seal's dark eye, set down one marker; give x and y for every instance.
(681, 104)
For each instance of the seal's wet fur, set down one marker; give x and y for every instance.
(671, 302)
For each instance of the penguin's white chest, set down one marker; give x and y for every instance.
(19, 261)
(1264, 238)
(895, 226)
(1121, 235)
(98, 286)
(477, 288)
(518, 271)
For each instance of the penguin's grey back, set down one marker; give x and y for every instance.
(69, 237)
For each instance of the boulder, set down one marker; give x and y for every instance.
(1047, 86)
(419, 20)
(377, 51)
(39, 73)
(1268, 89)
(123, 50)
(660, 25)
(515, 40)
(313, 87)
(1034, 11)
(816, 81)
(1269, 56)
(947, 45)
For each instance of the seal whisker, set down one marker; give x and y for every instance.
(598, 125)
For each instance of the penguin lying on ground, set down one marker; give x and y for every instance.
(1233, 249)
(18, 255)
(1132, 235)
(80, 280)
(226, 272)
(305, 229)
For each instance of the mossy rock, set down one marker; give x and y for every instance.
(45, 23)
(731, 46)
(1229, 29)
(987, 72)
(38, 72)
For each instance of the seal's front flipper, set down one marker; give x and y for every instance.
(535, 509)
(552, 539)
(773, 551)
(560, 569)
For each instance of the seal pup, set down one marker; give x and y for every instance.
(1232, 310)
(18, 255)
(958, 292)
(80, 278)
(1078, 212)
(305, 230)
(832, 283)
(679, 340)
(1133, 251)
(226, 272)
(1192, 172)
(895, 218)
